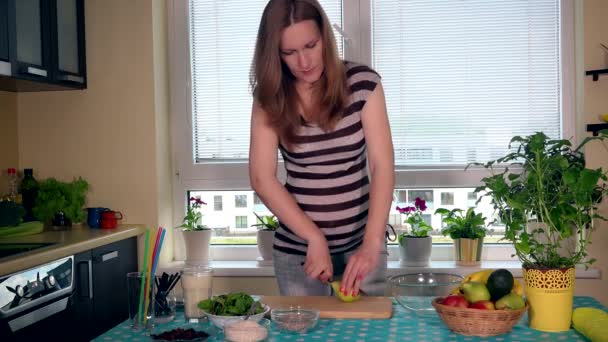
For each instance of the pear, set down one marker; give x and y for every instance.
(511, 301)
(475, 291)
(335, 285)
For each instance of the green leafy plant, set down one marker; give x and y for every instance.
(463, 225)
(231, 304)
(55, 196)
(413, 217)
(267, 222)
(11, 213)
(547, 197)
(192, 220)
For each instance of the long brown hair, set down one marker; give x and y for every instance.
(273, 85)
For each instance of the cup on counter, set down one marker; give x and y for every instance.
(94, 216)
(196, 286)
(134, 286)
(109, 219)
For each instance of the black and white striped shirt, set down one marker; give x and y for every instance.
(327, 173)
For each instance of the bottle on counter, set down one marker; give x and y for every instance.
(29, 193)
(12, 184)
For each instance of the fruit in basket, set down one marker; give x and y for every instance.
(455, 300)
(335, 285)
(499, 284)
(475, 291)
(510, 301)
(482, 305)
(483, 276)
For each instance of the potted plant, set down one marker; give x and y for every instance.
(467, 230)
(196, 235)
(545, 201)
(266, 225)
(59, 199)
(415, 246)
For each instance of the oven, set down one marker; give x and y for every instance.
(38, 302)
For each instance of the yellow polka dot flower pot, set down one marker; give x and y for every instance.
(549, 293)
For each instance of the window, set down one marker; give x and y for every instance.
(447, 198)
(448, 82)
(217, 203)
(240, 201)
(471, 200)
(241, 222)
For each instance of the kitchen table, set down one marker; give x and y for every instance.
(404, 326)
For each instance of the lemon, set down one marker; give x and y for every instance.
(605, 117)
(592, 323)
(335, 285)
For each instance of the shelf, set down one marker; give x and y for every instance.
(596, 73)
(595, 128)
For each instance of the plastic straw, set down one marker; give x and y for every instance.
(153, 237)
(159, 238)
(143, 276)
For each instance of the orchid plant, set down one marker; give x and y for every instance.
(413, 217)
(192, 220)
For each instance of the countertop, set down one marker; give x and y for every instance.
(66, 242)
(405, 325)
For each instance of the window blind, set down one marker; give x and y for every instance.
(222, 41)
(462, 77)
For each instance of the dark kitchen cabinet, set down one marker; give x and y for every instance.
(45, 44)
(4, 35)
(101, 301)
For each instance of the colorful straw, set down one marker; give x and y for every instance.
(143, 276)
(155, 256)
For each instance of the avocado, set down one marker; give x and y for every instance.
(499, 284)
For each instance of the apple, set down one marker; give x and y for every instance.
(482, 305)
(455, 300)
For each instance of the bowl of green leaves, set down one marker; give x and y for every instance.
(231, 307)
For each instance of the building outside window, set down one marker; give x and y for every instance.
(447, 198)
(217, 203)
(240, 201)
(241, 222)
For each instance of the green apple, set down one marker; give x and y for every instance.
(335, 285)
(475, 291)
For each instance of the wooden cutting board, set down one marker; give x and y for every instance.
(332, 307)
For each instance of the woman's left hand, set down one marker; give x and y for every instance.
(359, 266)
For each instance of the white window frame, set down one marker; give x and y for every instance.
(357, 47)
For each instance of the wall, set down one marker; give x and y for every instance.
(115, 133)
(8, 137)
(594, 103)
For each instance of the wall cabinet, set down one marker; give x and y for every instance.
(45, 45)
(101, 298)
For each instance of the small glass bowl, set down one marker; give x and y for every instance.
(294, 319)
(416, 291)
(237, 331)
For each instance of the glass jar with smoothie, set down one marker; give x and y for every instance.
(196, 286)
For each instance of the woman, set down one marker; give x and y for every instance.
(328, 118)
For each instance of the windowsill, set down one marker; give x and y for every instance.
(252, 269)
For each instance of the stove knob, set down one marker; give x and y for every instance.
(19, 291)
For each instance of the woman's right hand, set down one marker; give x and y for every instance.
(318, 260)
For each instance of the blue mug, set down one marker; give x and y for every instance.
(94, 216)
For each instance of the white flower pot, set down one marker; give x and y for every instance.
(265, 241)
(197, 247)
(415, 251)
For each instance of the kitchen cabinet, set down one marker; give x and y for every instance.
(5, 67)
(101, 282)
(45, 45)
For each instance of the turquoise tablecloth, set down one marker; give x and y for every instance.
(404, 326)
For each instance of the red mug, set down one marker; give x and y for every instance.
(109, 219)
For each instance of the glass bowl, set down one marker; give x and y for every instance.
(220, 321)
(246, 331)
(416, 291)
(294, 319)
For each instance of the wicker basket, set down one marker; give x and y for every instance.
(475, 322)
